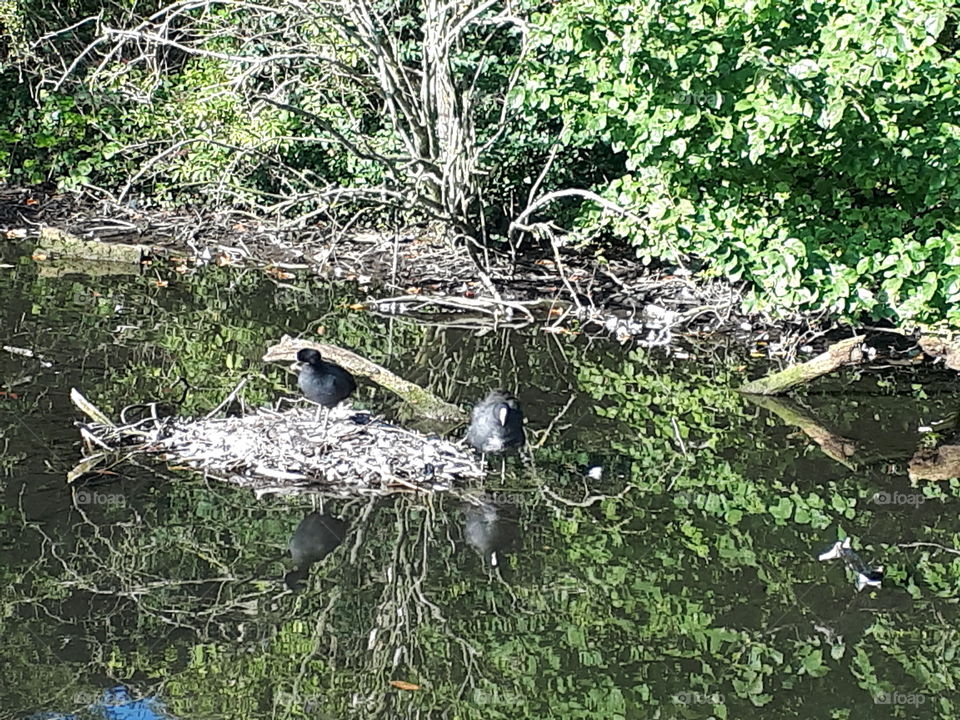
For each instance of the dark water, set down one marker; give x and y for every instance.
(658, 559)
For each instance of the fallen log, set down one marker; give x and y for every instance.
(56, 244)
(422, 400)
(845, 352)
(946, 348)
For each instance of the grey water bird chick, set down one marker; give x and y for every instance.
(496, 424)
(322, 382)
(316, 536)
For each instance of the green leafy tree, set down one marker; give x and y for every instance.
(809, 150)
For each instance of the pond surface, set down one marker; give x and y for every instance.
(655, 557)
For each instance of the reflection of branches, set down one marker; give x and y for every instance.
(938, 546)
(589, 499)
(92, 577)
(549, 429)
(404, 607)
(491, 306)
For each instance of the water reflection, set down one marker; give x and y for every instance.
(684, 544)
(490, 528)
(864, 575)
(316, 536)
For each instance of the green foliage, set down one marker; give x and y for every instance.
(811, 151)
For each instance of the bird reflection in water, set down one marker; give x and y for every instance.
(316, 536)
(490, 528)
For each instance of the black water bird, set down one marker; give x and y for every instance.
(316, 536)
(489, 530)
(322, 382)
(496, 424)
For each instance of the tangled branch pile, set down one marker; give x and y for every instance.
(290, 452)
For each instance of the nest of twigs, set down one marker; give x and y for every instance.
(289, 451)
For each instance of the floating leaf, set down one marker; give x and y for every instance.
(404, 685)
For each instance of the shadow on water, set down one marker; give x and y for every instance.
(655, 556)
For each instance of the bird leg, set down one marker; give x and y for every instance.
(326, 420)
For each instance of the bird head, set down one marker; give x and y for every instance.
(308, 355)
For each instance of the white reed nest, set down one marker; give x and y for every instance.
(290, 452)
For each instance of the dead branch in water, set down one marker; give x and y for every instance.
(845, 352)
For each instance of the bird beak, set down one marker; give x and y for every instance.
(503, 415)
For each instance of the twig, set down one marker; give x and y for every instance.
(951, 550)
(556, 418)
(676, 432)
(229, 398)
(589, 500)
